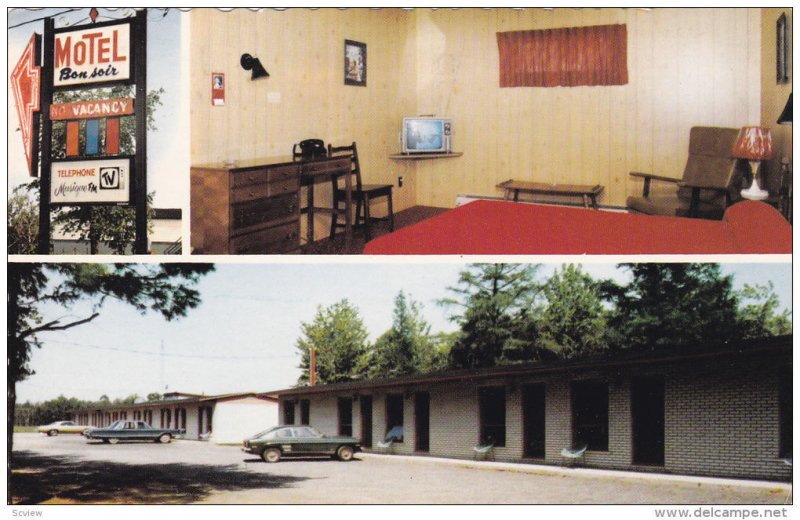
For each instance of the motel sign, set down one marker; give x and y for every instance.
(92, 55)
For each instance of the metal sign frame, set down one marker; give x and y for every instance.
(138, 175)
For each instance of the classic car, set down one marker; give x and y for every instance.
(299, 441)
(57, 427)
(126, 430)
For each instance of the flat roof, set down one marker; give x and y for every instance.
(189, 399)
(627, 357)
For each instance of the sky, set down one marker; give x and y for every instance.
(168, 144)
(242, 337)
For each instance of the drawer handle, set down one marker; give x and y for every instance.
(251, 177)
(291, 236)
(252, 194)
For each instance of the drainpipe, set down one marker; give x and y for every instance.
(312, 375)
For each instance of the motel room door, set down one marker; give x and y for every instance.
(422, 420)
(533, 403)
(647, 411)
(366, 420)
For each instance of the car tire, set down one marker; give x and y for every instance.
(344, 453)
(105, 441)
(113, 440)
(271, 455)
(164, 438)
(52, 433)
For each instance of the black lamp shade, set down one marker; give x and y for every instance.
(786, 115)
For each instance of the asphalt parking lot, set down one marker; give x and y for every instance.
(73, 470)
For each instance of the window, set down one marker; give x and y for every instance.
(288, 412)
(492, 411)
(785, 411)
(394, 416)
(305, 411)
(590, 414)
(345, 408)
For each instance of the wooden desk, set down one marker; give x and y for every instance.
(588, 193)
(253, 207)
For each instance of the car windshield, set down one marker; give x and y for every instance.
(118, 425)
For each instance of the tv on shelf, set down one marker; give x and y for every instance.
(426, 134)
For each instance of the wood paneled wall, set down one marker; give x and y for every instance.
(303, 51)
(687, 67)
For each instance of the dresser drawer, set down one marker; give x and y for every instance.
(245, 178)
(279, 239)
(260, 191)
(321, 167)
(258, 211)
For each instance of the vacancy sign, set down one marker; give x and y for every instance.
(93, 55)
(91, 109)
(25, 87)
(82, 182)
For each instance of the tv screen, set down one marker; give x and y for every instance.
(426, 135)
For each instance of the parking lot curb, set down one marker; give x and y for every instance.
(541, 469)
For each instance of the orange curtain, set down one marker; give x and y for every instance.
(570, 57)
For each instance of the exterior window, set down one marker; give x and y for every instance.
(492, 405)
(288, 412)
(394, 417)
(305, 411)
(785, 411)
(345, 406)
(590, 414)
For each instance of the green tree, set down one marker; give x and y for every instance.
(340, 339)
(57, 409)
(495, 320)
(154, 396)
(573, 319)
(111, 225)
(758, 312)
(23, 220)
(401, 349)
(670, 304)
(168, 289)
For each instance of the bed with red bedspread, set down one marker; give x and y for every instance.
(485, 227)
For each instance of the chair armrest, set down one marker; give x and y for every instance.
(654, 177)
(650, 177)
(701, 186)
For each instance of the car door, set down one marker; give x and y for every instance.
(311, 442)
(286, 441)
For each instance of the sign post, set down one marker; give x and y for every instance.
(94, 56)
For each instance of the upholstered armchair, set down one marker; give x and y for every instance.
(711, 179)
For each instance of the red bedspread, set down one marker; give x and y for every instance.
(494, 228)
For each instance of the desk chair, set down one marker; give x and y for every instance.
(363, 195)
(308, 149)
(711, 179)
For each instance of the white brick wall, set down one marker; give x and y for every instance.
(721, 419)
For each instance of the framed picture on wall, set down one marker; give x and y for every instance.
(355, 63)
(782, 51)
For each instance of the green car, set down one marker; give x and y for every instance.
(299, 441)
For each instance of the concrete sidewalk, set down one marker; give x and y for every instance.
(542, 469)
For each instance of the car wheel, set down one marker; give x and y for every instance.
(52, 433)
(345, 453)
(105, 441)
(164, 438)
(113, 440)
(271, 455)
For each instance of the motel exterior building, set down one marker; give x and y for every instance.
(720, 410)
(222, 419)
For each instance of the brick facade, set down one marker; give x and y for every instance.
(721, 415)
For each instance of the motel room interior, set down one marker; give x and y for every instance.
(714, 70)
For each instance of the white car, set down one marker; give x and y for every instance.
(61, 427)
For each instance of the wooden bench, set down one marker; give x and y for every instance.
(587, 193)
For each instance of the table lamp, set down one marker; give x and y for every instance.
(754, 144)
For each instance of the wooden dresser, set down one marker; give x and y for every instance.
(252, 207)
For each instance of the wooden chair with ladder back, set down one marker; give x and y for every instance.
(363, 195)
